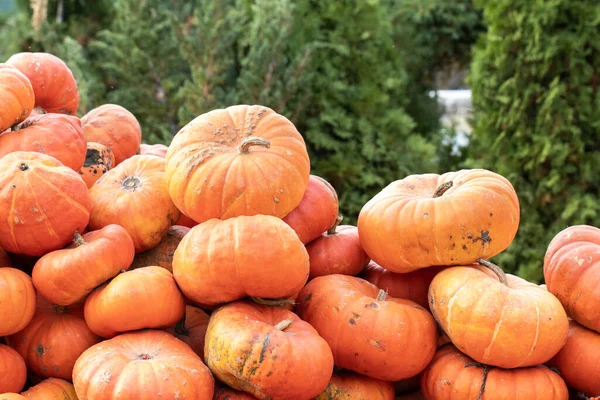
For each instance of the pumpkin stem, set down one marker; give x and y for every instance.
(131, 183)
(495, 269)
(78, 239)
(244, 147)
(23, 167)
(283, 325)
(273, 302)
(443, 188)
(382, 295)
(337, 222)
(60, 309)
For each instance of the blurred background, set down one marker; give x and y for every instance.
(380, 89)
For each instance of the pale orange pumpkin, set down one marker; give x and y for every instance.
(159, 150)
(51, 389)
(17, 300)
(16, 96)
(13, 371)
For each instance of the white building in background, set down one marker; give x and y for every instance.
(457, 107)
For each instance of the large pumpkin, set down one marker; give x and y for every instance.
(497, 319)
(53, 340)
(16, 97)
(141, 298)
(13, 371)
(192, 329)
(159, 150)
(453, 375)
(51, 389)
(99, 159)
(142, 365)
(317, 211)
(259, 256)
(42, 203)
(267, 351)
(369, 333)
(242, 160)
(67, 275)
(17, 300)
(53, 82)
(57, 135)
(134, 195)
(162, 255)
(116, 128)
(572, 271)
(348, 385)
(450, 219)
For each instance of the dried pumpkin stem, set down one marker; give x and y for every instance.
(283, 325)
(273, 302)
(78, 239)
(60, 309)
(244, 147)
(443, 188)
(338, 221)
(495, 269)
(382, 295)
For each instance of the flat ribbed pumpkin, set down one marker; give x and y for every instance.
(16, 97)
(51, 389)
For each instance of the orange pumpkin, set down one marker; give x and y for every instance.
(134, 195)
(142, 365)
(579, 359)
(13, 372)
(57, 135)
(37, 193)
(141, 298)
(259, 256)
(17, 300)
(51, 389)
(11, 396)
(453, 375)
(450, 219)
(227, 393)
(571, 271)
(192, 329)
(242, 160)
(369, 333)
(99, 159)
(348, 385)
(53, 340)
(16, 97)
(116, 128)
(184, 220)
(162, 254)
(52, 81)
(159, 150)
(497, 319)
(317, 211)
(267, 351)
(4, 259)
(66, 276)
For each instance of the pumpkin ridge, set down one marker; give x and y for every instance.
(61, 193)
(11, 222)
(49, 227)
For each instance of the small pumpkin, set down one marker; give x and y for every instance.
(242, 160)
(159, 150)
(68, 275)
(143, 360)
(17, 300)
(53, 340)
(348, 385)
(53, 83)
(453, 375)
(16, 97)
(37, 192)
(337, 251)
(222, 261)
(116, 128)
(451, 219)
(13, 371)
(369, 333)
(267, 351)
(317, 211)
(134, 195)
(495, 318)
(51, 389)
(99, 159)
(162, 255)
(141, 298)
(192, 329)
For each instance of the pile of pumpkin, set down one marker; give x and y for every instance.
(217, 268)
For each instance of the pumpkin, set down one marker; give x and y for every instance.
(453, 375)
(51, 389)
(267, 351)
(57, 135)
(53, 83)
(142, 365)
(317, 211)
(13, 372)
(192, 329)
(116, 128)
(337, 251)
(259, 256)
(451, 219)
(411, 285)
(36, 194)
(369, 333)
(53, 340)
(4, 259)
(159, 150)
(162, 254)
(17, 300)
(186, 221)
(579, 359)
(141, 298)
(497, 319)
(67, 275)
(99, 159)
(226, 393)
(11, 396)
(572, 271)
(134, 195)
(348, 385)
(16, 97)
(242, 160)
